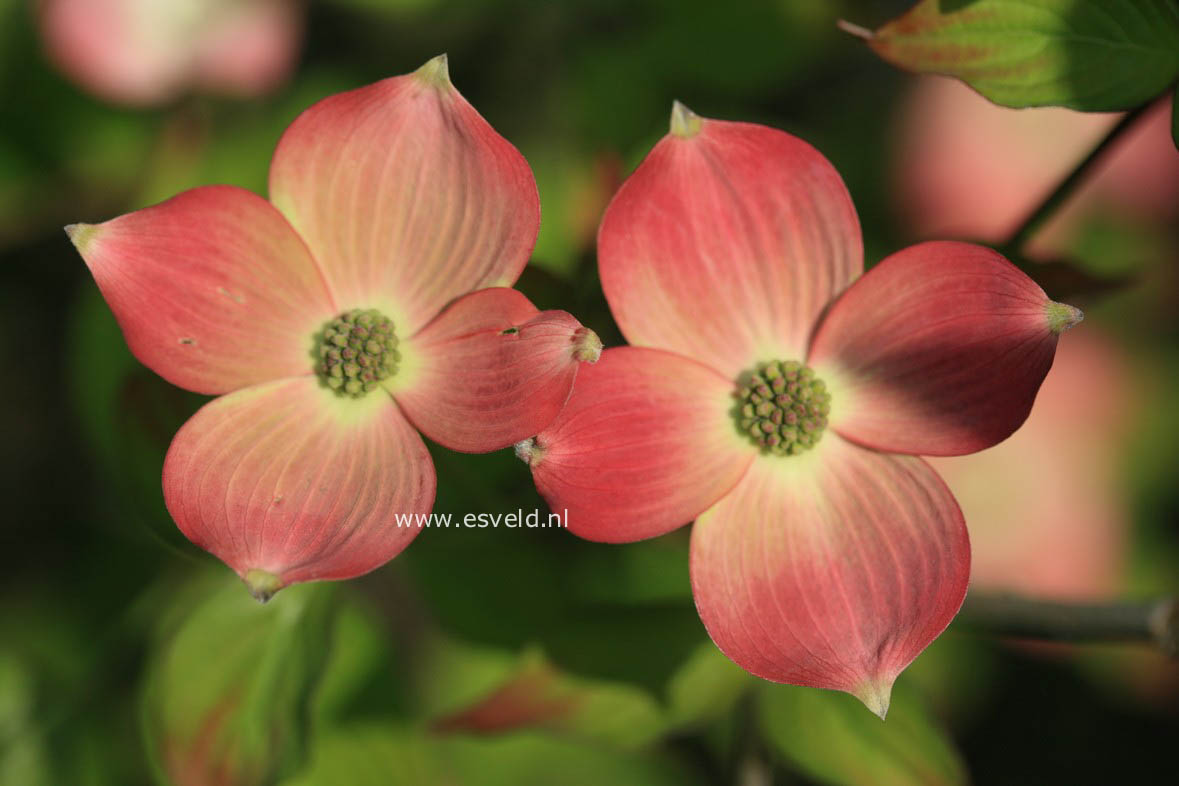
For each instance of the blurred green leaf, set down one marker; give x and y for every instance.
(832, 737)
(363, 673)
(372, 755)
(388, 755)
(520, 586)
(650, 571)
(484, 691)
(536, 760)
(228, 692)
(1092, 55)
(24, 755)
(707, 686)
(128, 415)
(957, 672)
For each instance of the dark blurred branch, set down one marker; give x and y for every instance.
(1065, 189)
(1153, 622)
(749, 763)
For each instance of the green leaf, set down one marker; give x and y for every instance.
(830, 737)
(363, 675)
(1093, 55)
(387, 755)
(535, 760)
(485, 691)
(372, 754)
(706, 686)
(228, 692)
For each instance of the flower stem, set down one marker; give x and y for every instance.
(1155, 622)
(1065, 189)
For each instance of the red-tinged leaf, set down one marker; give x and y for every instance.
(535, 695)
(491, 370)
(406, 196)
(939, 350)
(832, 569)
(1093, 55)
(726, 244)
(228, 691)
(213, 289)
(646, 443)
(829, 738)
(287, 482)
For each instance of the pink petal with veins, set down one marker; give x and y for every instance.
(833, 569)
(726, 245)
(646, 443)
(406, 196)
(288, 482)
(939, 350)
(491, 370)
(213, 289)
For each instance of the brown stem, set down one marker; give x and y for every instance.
(1151, 622)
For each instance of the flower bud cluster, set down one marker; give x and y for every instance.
(357, 350)
(784, 407)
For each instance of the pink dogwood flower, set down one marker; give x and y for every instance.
(780, 398)
(146, 52)
(365, 302)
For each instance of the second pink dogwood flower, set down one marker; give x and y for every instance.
(779, 398)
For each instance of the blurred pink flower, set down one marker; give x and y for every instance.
(1046, 512)
(145, 52)
(968, 168)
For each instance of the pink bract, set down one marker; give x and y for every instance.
(735, 245)
(399, 198)
(145, 52)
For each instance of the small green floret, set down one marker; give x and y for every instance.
(356, 351)
(784, 407)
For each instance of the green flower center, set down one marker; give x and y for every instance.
(784, 407)
(355, 351)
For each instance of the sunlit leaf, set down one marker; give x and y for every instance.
(362, 673)
(228, 693)
(1093, 55)
(387, 755)
(372, 755)
(830, 737)
(708, 685)
(535, 760)
(480, 691)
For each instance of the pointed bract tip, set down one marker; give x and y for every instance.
(853, 29)
(435, 72)
(684, 122)
(875, 696)
(1062, 316)
(587, 347)
(81, 235)
(262, 584)
(528, 451)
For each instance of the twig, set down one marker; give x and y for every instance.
(1065, 189)
(1155, 622)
